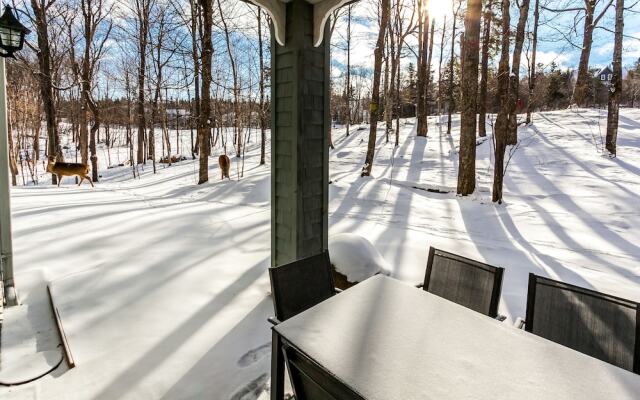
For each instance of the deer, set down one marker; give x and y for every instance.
(225, 165)
(68, 169)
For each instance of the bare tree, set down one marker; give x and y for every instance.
(484, 76)
(95, 32)
(204, 131)
(263, 111)
(616, 82)
(456, 5)
(347, 89)
(128, 90)
(469, 90)
(444, 29)
(237, 133)
(41, 22)
(374, 108)
(502, 120)
(164, 42)
(532, 69)
(586, 10)
(423, 73)
(514, 77)
(142, 11)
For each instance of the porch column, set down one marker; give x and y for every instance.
(299, 137)
(6, 246)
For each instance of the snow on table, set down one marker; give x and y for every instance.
(390, 341)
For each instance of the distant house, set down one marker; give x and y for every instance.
(605, 75)
(178, 111)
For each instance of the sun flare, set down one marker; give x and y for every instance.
(439, 8)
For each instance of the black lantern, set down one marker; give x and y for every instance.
(12, 33)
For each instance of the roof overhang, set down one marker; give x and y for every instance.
(322, 10)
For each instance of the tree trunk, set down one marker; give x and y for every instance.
(263, 117)
(484, 76)
(394, 57)
(534, 49)
(374, 108)
(195, 12)
(143, 30)
(236, 91)
(450, 101)
(205, 110)
(423, 42)
(95, 126)
(502, 120)
(385, 88)
(13, 167)
(84, 125)
(428, 81)
(46, 82)
(582, 81)
(616, 82)
(347, 92)
(127, 84)
(469, 90)
(514, 78)
(444, 28)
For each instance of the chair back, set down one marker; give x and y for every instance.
(310, 381)
(597, 324)
(467, 282)
(300, 285)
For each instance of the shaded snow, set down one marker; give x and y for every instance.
(162, 283)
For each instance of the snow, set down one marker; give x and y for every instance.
(406, 340)
(355, 257)
(162, 284)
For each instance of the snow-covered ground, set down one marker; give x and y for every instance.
(162, 284)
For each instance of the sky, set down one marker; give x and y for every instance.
(553, 45)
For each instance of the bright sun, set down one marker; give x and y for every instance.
(439, 8)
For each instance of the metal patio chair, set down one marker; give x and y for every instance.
(311, 381)
(295, 287)
(467, 282)
(597, 324)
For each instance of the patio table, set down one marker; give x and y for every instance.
(387, 340)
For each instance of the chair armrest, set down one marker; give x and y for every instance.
(519, 324)
(273, 320)
(501, 317)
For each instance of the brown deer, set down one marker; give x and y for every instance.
(225, 165)
(69, 169)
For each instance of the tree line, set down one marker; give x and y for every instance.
(123, 72)
(485, 29)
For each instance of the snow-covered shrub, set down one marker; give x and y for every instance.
(355, 258)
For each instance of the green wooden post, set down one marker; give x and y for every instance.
(300, 138)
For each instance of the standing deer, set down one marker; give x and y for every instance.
(225, 165)
(69, 169)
